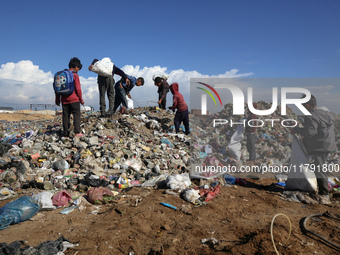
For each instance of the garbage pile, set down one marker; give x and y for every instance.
(118, 152)
(215, 145)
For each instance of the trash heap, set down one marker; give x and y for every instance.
(116, 152)
(273, 146)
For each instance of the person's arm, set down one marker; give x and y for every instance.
(164, 85)
(77, 88)
(57, 99)
(174, 104)
(120, 72)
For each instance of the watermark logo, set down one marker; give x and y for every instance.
(239, 99)
(204, 97)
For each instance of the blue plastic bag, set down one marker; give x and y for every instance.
(17, 211)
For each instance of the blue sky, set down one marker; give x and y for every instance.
(277, 39)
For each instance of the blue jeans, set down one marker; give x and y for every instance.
(120, 97)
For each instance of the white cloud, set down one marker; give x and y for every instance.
(23, 83)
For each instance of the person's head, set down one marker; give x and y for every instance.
(140, 81)
(75, 64)
(311, 104)
(93, 62)
(174, 88)
(158, 81)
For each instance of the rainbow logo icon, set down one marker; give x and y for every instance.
(209, 93)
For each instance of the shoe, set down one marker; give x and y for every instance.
(324, 200)
(79, 135)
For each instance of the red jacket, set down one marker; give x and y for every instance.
(76, 96)
(178, 99)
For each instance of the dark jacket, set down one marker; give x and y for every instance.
(318, 131)
(163, 89)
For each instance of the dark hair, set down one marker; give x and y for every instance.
(312, 100)
(141, 80)
(158, 79)
(94, 61)
(75, 62)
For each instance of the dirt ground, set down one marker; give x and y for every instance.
(239, 219)
(26, 115)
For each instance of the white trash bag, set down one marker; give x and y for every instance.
(234, 147)
(300, 178)
(103, 67)
(164, 76)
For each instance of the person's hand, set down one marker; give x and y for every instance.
(90, 67)
(120, 84)
(160, 101)
(129, 96)
(82, 102)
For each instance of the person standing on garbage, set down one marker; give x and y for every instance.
(251, 135)
(182, 113)
(71, 104)
(123, 88)
(106, 85)
(163, 89)
(319, 140)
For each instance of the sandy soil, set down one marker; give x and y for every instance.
(27, 115)
(239, 218)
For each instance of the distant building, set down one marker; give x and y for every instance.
(4, 108)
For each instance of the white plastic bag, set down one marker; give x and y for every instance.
(103, 67)
(164, 76)
(129, 102)
(191, 195)
(178, 182)
(234, 147)
(300, 178)
(44, 199)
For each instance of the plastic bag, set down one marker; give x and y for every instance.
(103, 67)
(44, 199)
(61, 198)
(234, 147)
(60, 164)
(129, 102)
(164, 76)
(17, 211)
(191, 195)
(178, 182)
(99, 195)
(300, 179)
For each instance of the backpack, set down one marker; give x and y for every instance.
(63, 84)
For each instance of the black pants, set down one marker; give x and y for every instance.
(251, 140)
(319, 160)
(162, 105)
(179, 117)
(106, 85)
(73, 109)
